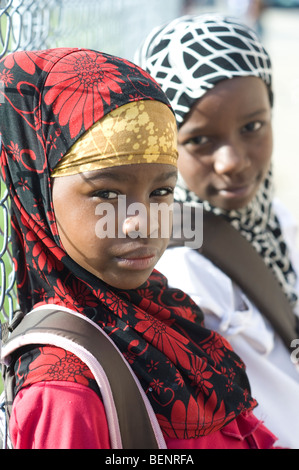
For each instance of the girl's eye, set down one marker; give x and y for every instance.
(162, 192)
(252, 126)
(106, 194)
(198, 140)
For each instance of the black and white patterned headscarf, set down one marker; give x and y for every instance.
(188, 57)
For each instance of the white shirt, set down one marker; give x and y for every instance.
(274, 379)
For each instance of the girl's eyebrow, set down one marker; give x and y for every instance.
(197, 128)
(103, 174)
(120, 176)
(254, 113)
(167, 175)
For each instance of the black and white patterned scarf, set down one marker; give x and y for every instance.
(187, 57)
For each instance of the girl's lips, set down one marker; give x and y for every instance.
(137, 263)
(141, 258)
(235, 191)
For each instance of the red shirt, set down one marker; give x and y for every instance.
(64, 415)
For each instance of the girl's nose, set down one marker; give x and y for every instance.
(230, 159)
(134, 227)
(142, 223)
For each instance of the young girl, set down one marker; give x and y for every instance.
(82, 131)
(218, 78)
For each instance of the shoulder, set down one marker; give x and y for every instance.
(209, 287)
(284, 215)
(289, 228)
(48, 364)
(183, 260)
(287, 221)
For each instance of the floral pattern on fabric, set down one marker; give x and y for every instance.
(51, 363)
(78, 81)
(193, 379)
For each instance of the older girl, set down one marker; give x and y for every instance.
(218, 78)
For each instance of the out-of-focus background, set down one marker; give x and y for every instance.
(119, 26)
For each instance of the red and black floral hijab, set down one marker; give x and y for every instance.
(194, 381)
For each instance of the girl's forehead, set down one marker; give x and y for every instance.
(245, 96)
(132, 172)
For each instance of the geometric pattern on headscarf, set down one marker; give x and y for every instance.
(191, 54)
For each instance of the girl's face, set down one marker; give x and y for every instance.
(225, 144)
(108, 223)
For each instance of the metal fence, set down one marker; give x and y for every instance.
(113, 26)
